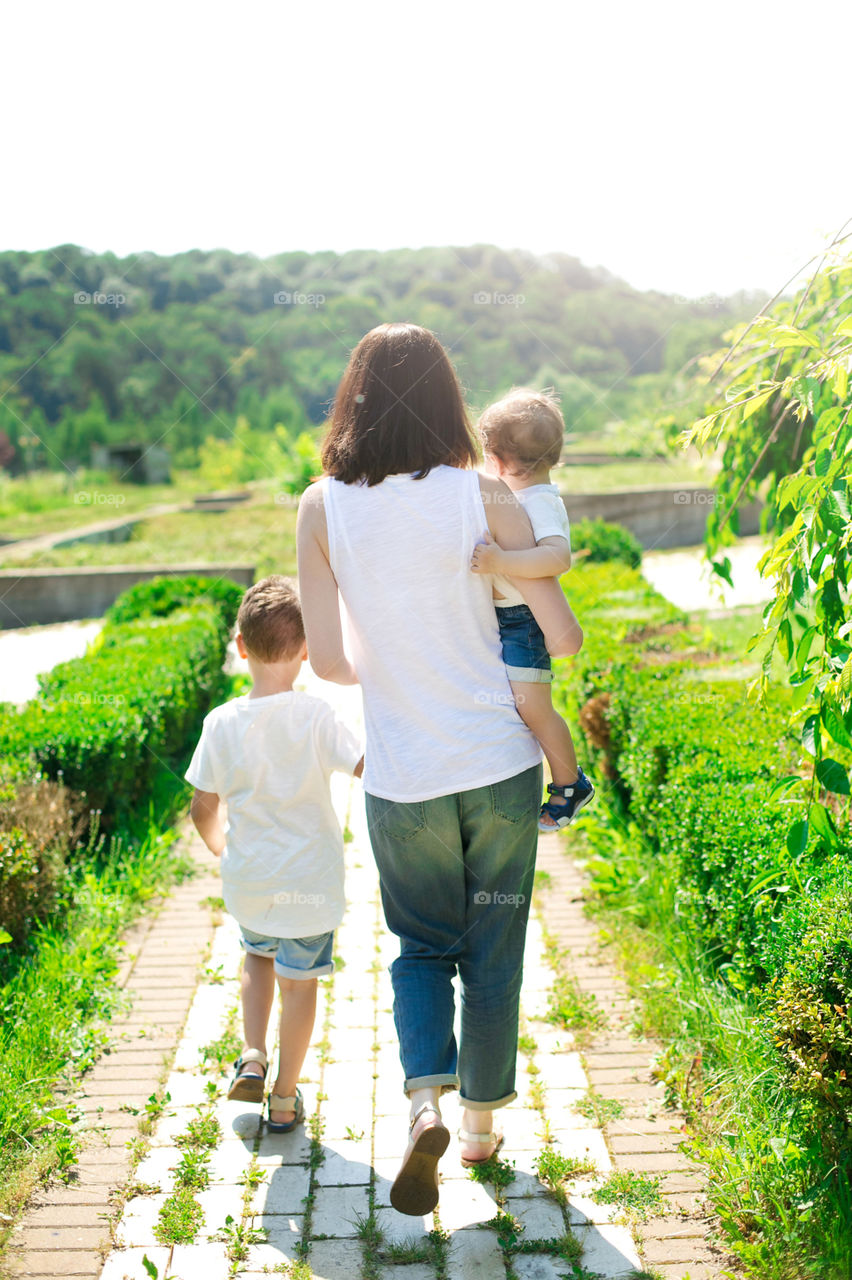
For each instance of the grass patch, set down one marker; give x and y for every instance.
(56, 1004)
(498, 1172)
(192, 1170)
(573, 1009)
(180, 1218)
(602, 1110)
(637, 1193)
(202, 1133)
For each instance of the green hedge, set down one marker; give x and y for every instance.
(695, 841)
(107, 723)
(600, 540)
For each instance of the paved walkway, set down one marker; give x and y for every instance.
(315, 1203)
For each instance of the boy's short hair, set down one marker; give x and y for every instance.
(524, 427)
(270, 619)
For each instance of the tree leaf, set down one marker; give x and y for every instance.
(832, 776)
(823, 462)
(822, 822)
(784, 786)
(836, 728)
(810, 735)
(797, 838)
(844, 329)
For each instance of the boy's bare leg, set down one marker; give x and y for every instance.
(257, 990)
(298, 1010)
(536, 709)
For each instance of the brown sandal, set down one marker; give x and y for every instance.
(415, 1189)
(465, 1135)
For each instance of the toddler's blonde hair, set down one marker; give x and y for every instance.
(524, 429)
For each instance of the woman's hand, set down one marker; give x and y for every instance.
(487, 556)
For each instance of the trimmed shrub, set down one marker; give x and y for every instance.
(36, 830)
(600, 540)
(166, 595)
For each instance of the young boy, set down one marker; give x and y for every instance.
(268, 755)
(522, 438)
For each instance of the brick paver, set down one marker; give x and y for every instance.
(321, 1193)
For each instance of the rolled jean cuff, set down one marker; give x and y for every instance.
(487, 1106)
(446, 1083)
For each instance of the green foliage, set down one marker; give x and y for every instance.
(262, 340)
(180, 1218)
(36, 830)
(637, 1193)
(105, 723)
(56, 999)
(599, 540)
(164, 595)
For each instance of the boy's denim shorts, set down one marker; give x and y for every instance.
(524, 651)
(294, 957)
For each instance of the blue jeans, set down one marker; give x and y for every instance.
(456, 877)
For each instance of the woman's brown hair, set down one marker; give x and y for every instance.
(398, 409)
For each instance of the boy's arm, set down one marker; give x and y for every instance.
(204, 811)
(318, 593)
(509, 524)
(550, 557)
(359, 769)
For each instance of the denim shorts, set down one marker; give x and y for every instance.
(524, 651)
(294, 957)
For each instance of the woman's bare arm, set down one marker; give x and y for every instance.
(318, 593)
(510, 526)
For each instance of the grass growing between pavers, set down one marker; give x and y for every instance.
(55, 1011)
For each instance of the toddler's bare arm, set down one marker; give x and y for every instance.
(547, 559)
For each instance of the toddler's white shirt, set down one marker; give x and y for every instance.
(549, 519)
(270, 760)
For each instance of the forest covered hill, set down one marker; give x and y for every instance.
(97, 348)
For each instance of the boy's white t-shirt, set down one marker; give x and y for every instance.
(270, 760)
(549, 519)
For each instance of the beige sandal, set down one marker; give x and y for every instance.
(248, 1087)
(465, 1135)
(415, 1188)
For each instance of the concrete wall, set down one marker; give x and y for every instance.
(674, 516)
(32, 596)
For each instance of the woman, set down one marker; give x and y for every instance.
(452, 777)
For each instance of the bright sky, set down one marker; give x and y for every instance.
(695, 148)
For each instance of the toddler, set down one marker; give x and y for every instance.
(522, 438)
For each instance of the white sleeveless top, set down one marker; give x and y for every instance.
(422, 632)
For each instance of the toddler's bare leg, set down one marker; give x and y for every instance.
(298, 1010)
(538, 713)
(257, 988)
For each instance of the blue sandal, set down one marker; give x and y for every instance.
(576, 794)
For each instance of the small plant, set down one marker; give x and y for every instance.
(292, 1270)
(252, 1177)
(508, 1230)
(543, 880)
(567, 1247)
(573, 1009)
(212, 1090)
(180, 1218)
(213, 903)
(153, 1270)
(222, 1052)
(352, 1135)
(202, 1131)
(527, 1044)
(637, 1193)
(237, 1236)
(192, 1170)
(214, 976)
(348, 837)
(602, 1110)
(554, 1170)
(496, 1171)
